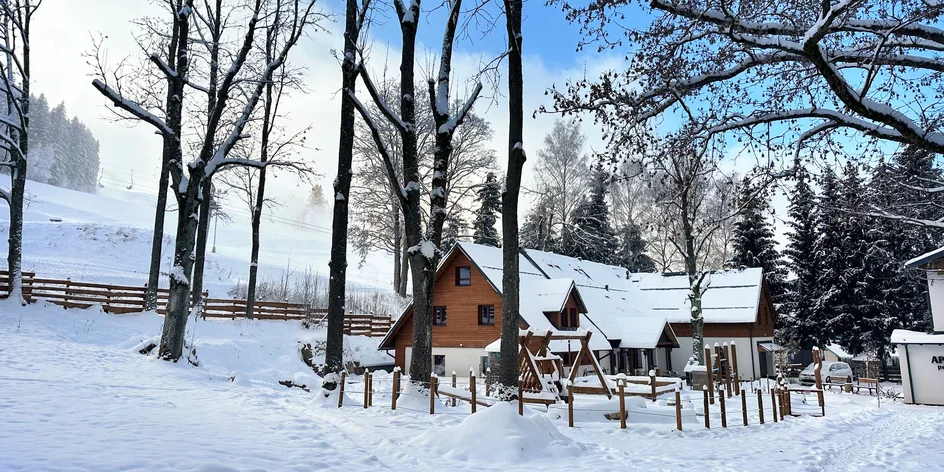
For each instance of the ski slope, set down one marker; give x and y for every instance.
(106, 237)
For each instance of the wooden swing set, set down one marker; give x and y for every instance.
(541, 371)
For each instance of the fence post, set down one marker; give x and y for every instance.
(472, 387)
(710, 376)
(366, 388)
(704, 389)
(744, 408)
(433, 381)
(488, 386)
(652, 381)
(760, 406)
(370, 388)
(453, 386)
(773, 404)
(520, 400)
(341, 393)
(678, 408)
(570, 404)
(727, 370)
(724, 413)
(734, 365)
(396, 388)
(621, 382)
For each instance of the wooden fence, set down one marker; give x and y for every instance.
(119, 299)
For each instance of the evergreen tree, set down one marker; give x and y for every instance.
(799, 326)
(451, 231)
(828, 257)
(632, 251)
(536, 232)
(489, 200)
(856, 299)
(589, 234)
(754, 243)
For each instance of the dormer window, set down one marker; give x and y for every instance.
(569, 319)
(464, 276)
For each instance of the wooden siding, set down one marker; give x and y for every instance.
(462, 328)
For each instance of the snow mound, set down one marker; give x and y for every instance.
(501, 434)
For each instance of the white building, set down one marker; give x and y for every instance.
(922, 354)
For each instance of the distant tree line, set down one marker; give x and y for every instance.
(63, 150)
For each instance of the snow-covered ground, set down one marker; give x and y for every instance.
(106, 237)
(76, 395)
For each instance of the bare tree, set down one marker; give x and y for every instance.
(378, 213)
(694, 199)
(562, 173)
(16, 17)
(354, 15)
(189, 180)
(805, 71)
(424, 240)
(508, 368)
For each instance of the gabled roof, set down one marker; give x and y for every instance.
(926, 258)
(732, 296)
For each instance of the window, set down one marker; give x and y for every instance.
(574, 321)
(569, 320)
(564, 320)
(439, 316)
(439, 365)
(487, 315)
(464, 276)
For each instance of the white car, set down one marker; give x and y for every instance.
(833, 372)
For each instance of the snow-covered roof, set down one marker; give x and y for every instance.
(489, 261)
(925, 258)
(732, 296)
(838, 351)
(904, 336)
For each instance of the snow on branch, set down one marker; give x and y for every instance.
(163, 66)
(385, 109)
(132, 108)
(455, 121)
(399, 191)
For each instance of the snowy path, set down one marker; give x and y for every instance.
(75, 396)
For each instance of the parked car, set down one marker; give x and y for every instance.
(833, 372)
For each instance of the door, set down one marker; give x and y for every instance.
(439, 365)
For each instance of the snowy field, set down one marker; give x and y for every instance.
(78, 396)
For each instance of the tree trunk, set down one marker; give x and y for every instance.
(334, 356)
(254, 252)
(695, 280)
(508, 369)
(397, 254)
(157, 240)
(178, 301)
(15, 236)
(404, 264)
(203, 233)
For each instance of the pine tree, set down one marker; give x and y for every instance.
(451, 231)
(828, 257)
(856, 300)
(589, 234)
(489, 200)
(536, 232)
(799, 326)
(754, 243)
(632, 251)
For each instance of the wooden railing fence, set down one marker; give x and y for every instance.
(119, 299)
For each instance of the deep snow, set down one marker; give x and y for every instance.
(78, 396)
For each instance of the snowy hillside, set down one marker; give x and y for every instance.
(106, 237)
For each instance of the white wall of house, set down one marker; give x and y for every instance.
(922, 373)
(748, 367)
(458, 359)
